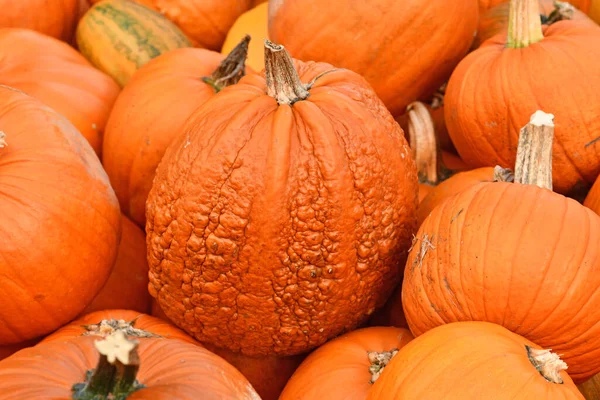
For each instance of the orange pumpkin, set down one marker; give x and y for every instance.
(60, 77)
(592, 200)
(8, 350)
(139, 130)
(494, 89)
(205, 22)
(254, 23)
(495, 20)
(117, 367)
(347, 366)
(286, 224)
(382, 40)
(474, 360)
(106, 322)
(127, 286)
(60, 225)
(56, 18)
(514, 254)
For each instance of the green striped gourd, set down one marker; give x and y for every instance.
(119, 36)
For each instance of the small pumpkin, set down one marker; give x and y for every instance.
(56, 18)
(474, 360)
(495, 20)
(205, 22)
(383, 40)
(304, 190)
(120, 367)
(56, 74)
(494, 89)
(515, 254)
(254, 22)
(120, 36)
(127, 286)
(61, 222)
(151, 112)
(347, 366)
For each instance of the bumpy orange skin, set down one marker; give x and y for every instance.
(451, 186)
(339, 370)
(140, 129)
(273, 228)
(169, 369)
(468, 360)
(516, 255)
(56, 74)
(494, 90)
(60, 224)
(127, 286)
(144, 322)
(56, 18)
(205, 22)
(405, 49)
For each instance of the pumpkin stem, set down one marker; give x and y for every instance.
(534, 151)
(421, 133)
(503, 174)
(115, 372)
(547, 363)
(562, 11)
(379, 360)
(524, 23)
(107, 327)
(283, 82)
(438, 97)
(231, 69)
(3, 140)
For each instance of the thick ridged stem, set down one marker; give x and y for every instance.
(421, 133)
(547, 363)
(524, 23)
(283, 82)
(378, 361)
(232, 68)
(534, 152)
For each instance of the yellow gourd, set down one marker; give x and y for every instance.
(253, 23)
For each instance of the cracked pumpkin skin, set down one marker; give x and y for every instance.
(515, 255)
(271, 228)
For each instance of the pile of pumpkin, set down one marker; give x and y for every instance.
(297, 199)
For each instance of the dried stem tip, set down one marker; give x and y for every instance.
(232, 68)
(547, 363)
(534, 152)
(379, 360)
(283, 82)
(421, 133)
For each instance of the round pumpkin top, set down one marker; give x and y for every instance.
(59, 214)
(168, 369)
(346, 367)
(473, 360)
(274, 225)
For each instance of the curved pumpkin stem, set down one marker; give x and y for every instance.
(547, 363)
(534, 152)
(524, 23)
(379, 360)
(3, 140)
(115, 373)
(421, 133)
(232, 68)
(283, 82)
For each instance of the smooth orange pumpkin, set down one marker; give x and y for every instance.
(495, 20)
(141, 368)
(280, 215)
(346, 367)
(254, 23)
(56, 74)
(205, 22)
(405, 49)
(494, 89)
(127, 286)
(106, 322)
(514, 254)
(474, 360)
(56, 18)
(60, 220)
(140, 129)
